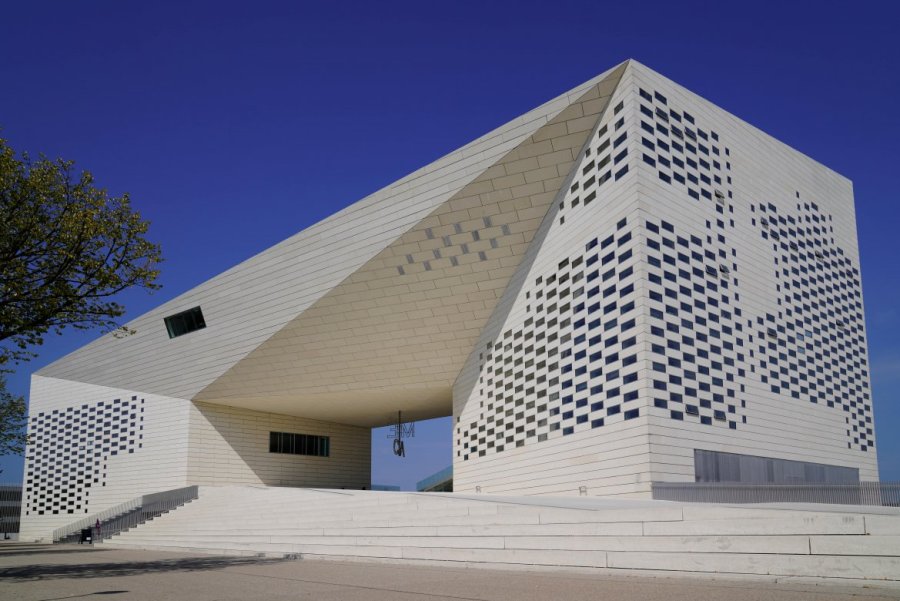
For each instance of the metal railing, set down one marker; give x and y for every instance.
(861, 493)
(126, 515)
(444, 475)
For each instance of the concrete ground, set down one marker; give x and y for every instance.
(52, 573)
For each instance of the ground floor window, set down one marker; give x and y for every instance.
(299, 444)
(714, 466)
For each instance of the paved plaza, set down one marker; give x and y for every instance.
(52, 573)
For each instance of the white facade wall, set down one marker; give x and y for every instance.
(702, 381)
(94, 447)
(231, 446)
(765, 171)
(154, 459)
(544, 450)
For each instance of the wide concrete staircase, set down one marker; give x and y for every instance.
(834, 543)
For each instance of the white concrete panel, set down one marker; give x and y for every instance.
(747, 312)
(538, 408)
(93, 447)
(785, 229)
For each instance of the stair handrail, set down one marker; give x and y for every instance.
(147, 506)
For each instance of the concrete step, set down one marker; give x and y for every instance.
(580, 533)
(465, 529)
(738, 544)
(771, 526)
(821, 566)
(760, 527)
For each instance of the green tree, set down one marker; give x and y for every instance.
(66, 249)
(12, 422)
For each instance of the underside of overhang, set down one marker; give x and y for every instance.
(369, 409)
(394, 335)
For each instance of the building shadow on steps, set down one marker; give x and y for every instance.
(46, 550)
(128, 568)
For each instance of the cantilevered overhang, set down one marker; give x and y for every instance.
(376, 309)
(396, 332)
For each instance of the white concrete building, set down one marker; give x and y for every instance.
(625, 285)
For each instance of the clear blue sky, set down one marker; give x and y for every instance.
(234, 127)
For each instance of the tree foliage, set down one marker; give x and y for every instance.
(12, 422)
(66, 249)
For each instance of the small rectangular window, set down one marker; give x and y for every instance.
(185, 322)
(299, 444)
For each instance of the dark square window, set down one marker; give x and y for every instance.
(185, 322)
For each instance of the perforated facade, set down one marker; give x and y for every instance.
(696, 288)
(597, 291)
